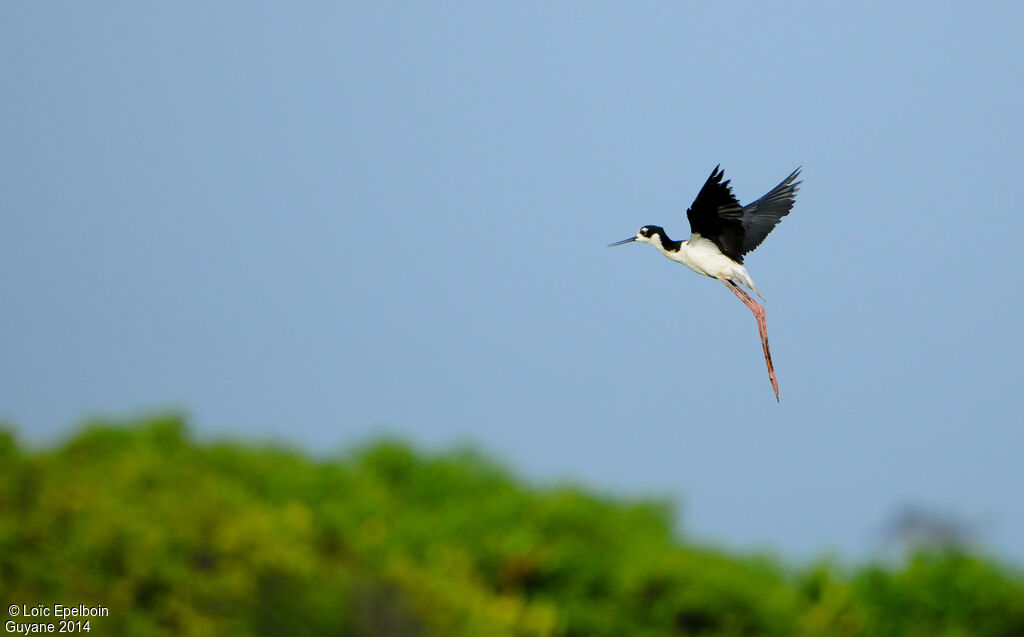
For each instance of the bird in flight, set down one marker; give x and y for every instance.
(721, 232)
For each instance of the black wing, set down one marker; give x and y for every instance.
(760, 217)
(716, 215)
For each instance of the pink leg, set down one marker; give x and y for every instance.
(762, 327)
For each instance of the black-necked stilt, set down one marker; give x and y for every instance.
(721, 232)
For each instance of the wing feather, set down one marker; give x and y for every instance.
(760, 217)
(716, 215)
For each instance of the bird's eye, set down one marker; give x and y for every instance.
(645, 231)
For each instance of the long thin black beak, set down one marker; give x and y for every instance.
(618, 243)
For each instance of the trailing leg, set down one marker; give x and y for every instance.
(762, 328)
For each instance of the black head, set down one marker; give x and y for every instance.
(647, 234)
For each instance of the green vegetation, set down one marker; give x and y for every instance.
(181, 538)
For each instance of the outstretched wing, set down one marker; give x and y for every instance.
(717, 216)
(760, 217)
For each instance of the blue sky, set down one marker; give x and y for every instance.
(321, 222)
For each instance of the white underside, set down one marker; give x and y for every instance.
(703, 257)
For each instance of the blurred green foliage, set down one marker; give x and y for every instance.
(182, 538)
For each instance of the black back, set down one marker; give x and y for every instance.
(716, 214)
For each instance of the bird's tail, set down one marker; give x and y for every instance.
(740, 275)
